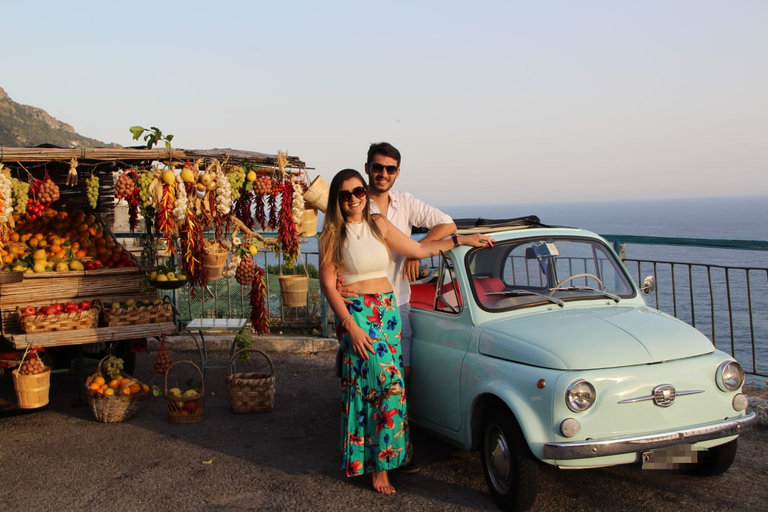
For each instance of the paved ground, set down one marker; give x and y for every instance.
(59, 458)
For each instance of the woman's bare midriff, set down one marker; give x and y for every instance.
(377, 285)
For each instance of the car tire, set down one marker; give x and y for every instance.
(511, 471)
(715, 461)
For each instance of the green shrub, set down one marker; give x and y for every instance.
(294, 270)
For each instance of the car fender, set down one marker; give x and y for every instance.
(492, 383)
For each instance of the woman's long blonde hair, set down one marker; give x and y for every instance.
(334, 233)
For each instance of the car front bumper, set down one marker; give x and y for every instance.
(646, 442)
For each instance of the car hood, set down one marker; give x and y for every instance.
(592, 337)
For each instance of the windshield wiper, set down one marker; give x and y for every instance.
(613, 297)
(529, 292)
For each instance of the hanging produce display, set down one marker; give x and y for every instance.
(204, 212)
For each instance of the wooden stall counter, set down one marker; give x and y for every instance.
(103, 286)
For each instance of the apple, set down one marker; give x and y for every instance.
(89, 265)
(29, 310)
(84, 305)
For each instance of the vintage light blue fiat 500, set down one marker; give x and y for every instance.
(543, 349)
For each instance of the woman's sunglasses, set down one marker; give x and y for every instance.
(346, 195)
(377, 168)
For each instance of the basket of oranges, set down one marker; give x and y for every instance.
(113, 395)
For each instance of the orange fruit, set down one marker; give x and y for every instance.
(14, 237)
(94, 386)
(124, 382)
(135, 387)
(126, 391)
(144, 387)
(114, 383)
(82, 253)
(99, 380)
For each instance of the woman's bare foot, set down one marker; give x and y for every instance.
(381, 483)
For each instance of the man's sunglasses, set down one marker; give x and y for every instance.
(377, 168)
(346, 195)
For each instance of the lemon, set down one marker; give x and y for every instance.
(153, 275)
(170, 275)
(39, 267)
(253, 249)
(161, 277)
(169, 177)
(251, 176)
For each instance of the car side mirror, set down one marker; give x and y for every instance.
(649, 284)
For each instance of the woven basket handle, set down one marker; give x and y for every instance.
(234, 356)
(202, 380)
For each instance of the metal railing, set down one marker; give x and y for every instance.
(727, 302)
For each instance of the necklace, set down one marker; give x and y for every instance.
(355, 228)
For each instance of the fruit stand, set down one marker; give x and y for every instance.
(61, 262)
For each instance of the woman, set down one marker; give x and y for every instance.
(356, 245)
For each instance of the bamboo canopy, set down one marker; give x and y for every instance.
(237, 155)
(104, 154)
(43, 154)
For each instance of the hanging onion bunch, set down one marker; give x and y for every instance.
(48, 192)
(124, 185)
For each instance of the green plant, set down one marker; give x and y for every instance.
(296, 269)
(152, 136)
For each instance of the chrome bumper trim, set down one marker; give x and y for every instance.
(619, 445)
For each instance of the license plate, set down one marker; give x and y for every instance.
(672, 457)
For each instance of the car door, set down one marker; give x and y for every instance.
(440, 340)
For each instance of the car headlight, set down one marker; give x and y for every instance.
(580, 396)
(729, 376)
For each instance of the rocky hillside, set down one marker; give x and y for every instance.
(24, 126)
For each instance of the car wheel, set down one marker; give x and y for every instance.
(511, 471)
(715, 461)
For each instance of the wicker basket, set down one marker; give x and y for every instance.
(113, 408)
(185, 409)
(294, 290)
(30, 324)
(251, 392)
(154, 314)
(215, 263)
(308, 222)
(317, 194)
(32, 390)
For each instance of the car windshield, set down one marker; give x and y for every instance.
(558, 270)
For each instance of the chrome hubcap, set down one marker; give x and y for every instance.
(498, 458)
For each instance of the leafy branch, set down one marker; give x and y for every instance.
(152, 136)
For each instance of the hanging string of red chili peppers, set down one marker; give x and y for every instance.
(286, 234)
(272, 205)
(134, 203)
(165, 222)
(257, 299)
(192, 241)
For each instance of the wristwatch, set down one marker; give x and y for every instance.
(455, 239)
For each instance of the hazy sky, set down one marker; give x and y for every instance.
(500, 101)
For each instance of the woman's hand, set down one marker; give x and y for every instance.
(477, 240)
(361, 342)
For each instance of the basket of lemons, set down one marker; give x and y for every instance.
(167, 278)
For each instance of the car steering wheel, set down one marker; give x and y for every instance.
(566, 280)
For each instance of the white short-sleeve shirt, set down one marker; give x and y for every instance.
(405, 212)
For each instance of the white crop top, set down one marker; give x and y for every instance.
(365, 257)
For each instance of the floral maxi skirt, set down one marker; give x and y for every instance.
(374, 418)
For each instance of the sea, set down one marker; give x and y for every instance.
(729, 218)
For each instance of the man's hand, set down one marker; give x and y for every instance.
(411, 269)
(345, 291)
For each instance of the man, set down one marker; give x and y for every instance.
(404, 211)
